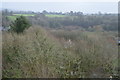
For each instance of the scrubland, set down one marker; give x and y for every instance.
(40, 53)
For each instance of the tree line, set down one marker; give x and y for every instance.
(108, 22)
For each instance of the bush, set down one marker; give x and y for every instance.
(37, 54)
(33, 54)
(20, 24)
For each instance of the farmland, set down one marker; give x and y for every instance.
(23, 15)
(14, 16)
(54, 15)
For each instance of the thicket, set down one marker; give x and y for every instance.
(20, 24)
(38, 54)
(108, 22)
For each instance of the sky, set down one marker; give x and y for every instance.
(59, 0)
(85, 7)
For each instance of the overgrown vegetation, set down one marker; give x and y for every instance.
(20, 24)
(107, 22)
(53, 15)
(36, 53)
(73, 46)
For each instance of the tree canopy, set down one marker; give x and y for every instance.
(20, 24)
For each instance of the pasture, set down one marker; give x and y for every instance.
(14, 16)
(54, 15)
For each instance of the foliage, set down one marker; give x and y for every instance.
(40, 53)
(20, 24)
(92, 51)
(32, 54)
(107, 21)
(12, 18)
(37, 53)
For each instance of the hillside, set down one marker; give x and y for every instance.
(40, 53)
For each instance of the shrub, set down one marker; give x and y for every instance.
(20, 24)
(37, 54)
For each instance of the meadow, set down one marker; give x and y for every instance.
(54, 15)
(14, 16)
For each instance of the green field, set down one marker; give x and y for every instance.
(24, 14)
(54, 15)
(17, 15)
(12, 17)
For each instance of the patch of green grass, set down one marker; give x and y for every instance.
(54, 15)
(23, 14)
(17, 15)
(12, 17)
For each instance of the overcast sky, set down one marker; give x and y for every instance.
(60, 0)
(85, 7)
